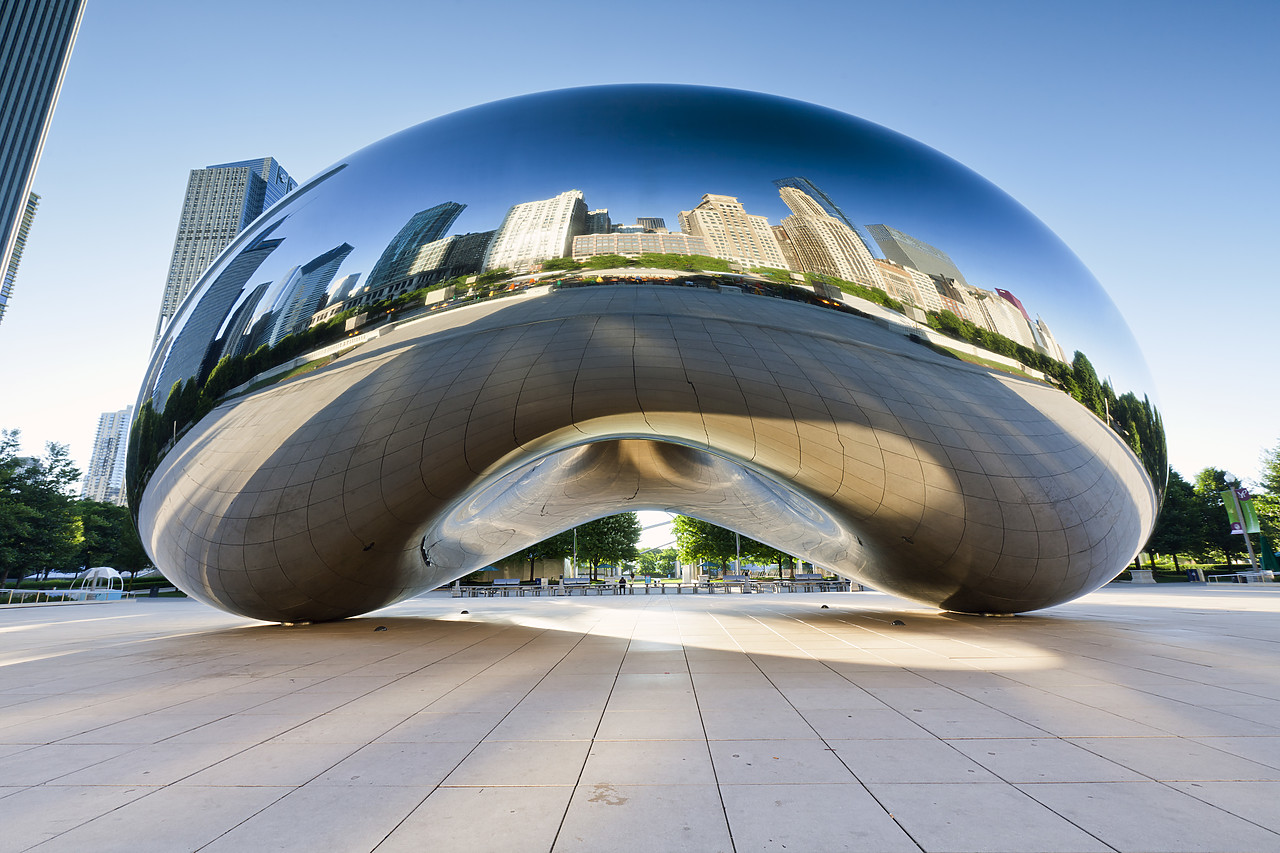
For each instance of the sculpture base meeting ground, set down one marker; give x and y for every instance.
(1133, 719)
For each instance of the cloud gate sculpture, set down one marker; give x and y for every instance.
(519, 317)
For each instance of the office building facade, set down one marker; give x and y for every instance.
(732, 233)
(590, 245)
(825, 245)
(537, 230)
(220, 201)
(909, 252)
(36, 37)
(15, 254)
(399, 259)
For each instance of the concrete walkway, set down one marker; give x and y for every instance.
(1136, 719)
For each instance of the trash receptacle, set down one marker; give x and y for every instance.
(155, 592)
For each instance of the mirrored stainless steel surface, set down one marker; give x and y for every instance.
(512, 319)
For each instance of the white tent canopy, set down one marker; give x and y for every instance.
(100, 576)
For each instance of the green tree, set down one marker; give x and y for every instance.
(1267, 501)
(556, 548)
(109, 538)
(1091, 394)
(701, 541)
(17, 518)
(560, 264)
(657, 562)
(608, 262)
(690, 263)
(767, 554)
(612, 539)
(39, 528)
(1217, 531)
(1180, 526)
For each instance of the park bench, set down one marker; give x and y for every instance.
(568, 586)
(816, 583)
(505, 586)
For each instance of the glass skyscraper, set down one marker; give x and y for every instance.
(15, 256)
(35, 45)
(220, 201)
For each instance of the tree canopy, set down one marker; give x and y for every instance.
(699, 541)
(1181, 526)
(44, 528)
(1267, 501)
(608, 540)
(39, 524)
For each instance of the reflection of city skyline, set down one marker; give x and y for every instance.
(817, 239)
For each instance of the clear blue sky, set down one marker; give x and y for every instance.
(1143, 133)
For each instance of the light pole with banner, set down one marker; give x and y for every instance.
(1243, 519)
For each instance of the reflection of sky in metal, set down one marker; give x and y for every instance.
(652, 151)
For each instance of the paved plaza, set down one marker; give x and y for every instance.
(1134, 719)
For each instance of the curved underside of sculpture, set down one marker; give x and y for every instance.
(465, 436)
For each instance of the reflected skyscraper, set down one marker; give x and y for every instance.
(999, 315)
(824, 244)
(425, 226)
(344, 288)
(909, 252)
(537, 230)
(36, 37)
(220, 201)
(824, 201)
(598, 221)
(458, 254)
(909, 286)
(630, 245)
(197, 346)
(104, 480)
(732, 233)
(307, 291)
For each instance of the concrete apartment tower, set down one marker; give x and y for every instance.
(104, 481)
(732, 233)
(537, 231)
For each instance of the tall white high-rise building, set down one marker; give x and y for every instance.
(537, 231)
(825, 245)
(220, 201)
(732, 233)
(104, 481)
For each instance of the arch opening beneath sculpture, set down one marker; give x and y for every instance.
(574, 485)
